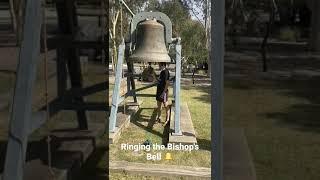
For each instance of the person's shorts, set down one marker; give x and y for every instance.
(163, 98)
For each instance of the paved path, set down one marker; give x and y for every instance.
(161, 170)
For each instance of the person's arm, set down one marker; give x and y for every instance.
(167, 82)
(166, 86)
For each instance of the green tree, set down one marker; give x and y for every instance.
(177, 13)
(119, 22)
(194, 42)
(192, 32)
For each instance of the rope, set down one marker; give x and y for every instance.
(46, 86)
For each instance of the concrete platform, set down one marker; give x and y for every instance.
(123, 120)
(70, 148)
(188, 133)
(237, 160)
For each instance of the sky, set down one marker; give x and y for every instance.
(196, 12)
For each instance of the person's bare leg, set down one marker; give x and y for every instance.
(159, 110)
(167, 111)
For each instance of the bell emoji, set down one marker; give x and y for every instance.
(168, 156)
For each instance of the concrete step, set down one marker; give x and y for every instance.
(237, 160)
(188, 135)
(123, 120)
(70, 148)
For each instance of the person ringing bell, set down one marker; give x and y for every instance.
(162, 91)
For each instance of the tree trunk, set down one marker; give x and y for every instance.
(113, 35)
(17, 10)
(264, 48)
(208, 35)
(13, 16)
(265, 40)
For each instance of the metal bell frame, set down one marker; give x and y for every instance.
(125, 50)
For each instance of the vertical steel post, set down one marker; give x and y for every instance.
(67, 22)
(177, 129)
(116, 89)
(21, 110)
(217, 61)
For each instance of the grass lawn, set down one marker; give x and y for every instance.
(6, 80)
(281, 121)
(142, 128)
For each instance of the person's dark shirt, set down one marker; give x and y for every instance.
(164, 76)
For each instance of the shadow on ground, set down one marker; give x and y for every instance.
(205, 96)
(204, 144)
(91, 169)
(140, 120)
(304, 116)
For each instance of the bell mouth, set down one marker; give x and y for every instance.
(150, 57)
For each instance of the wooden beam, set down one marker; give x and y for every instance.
(67, 20)
(62, 72)
(66, 41)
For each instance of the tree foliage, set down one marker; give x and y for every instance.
(192, 32)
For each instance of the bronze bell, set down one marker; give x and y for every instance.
(150, 43)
